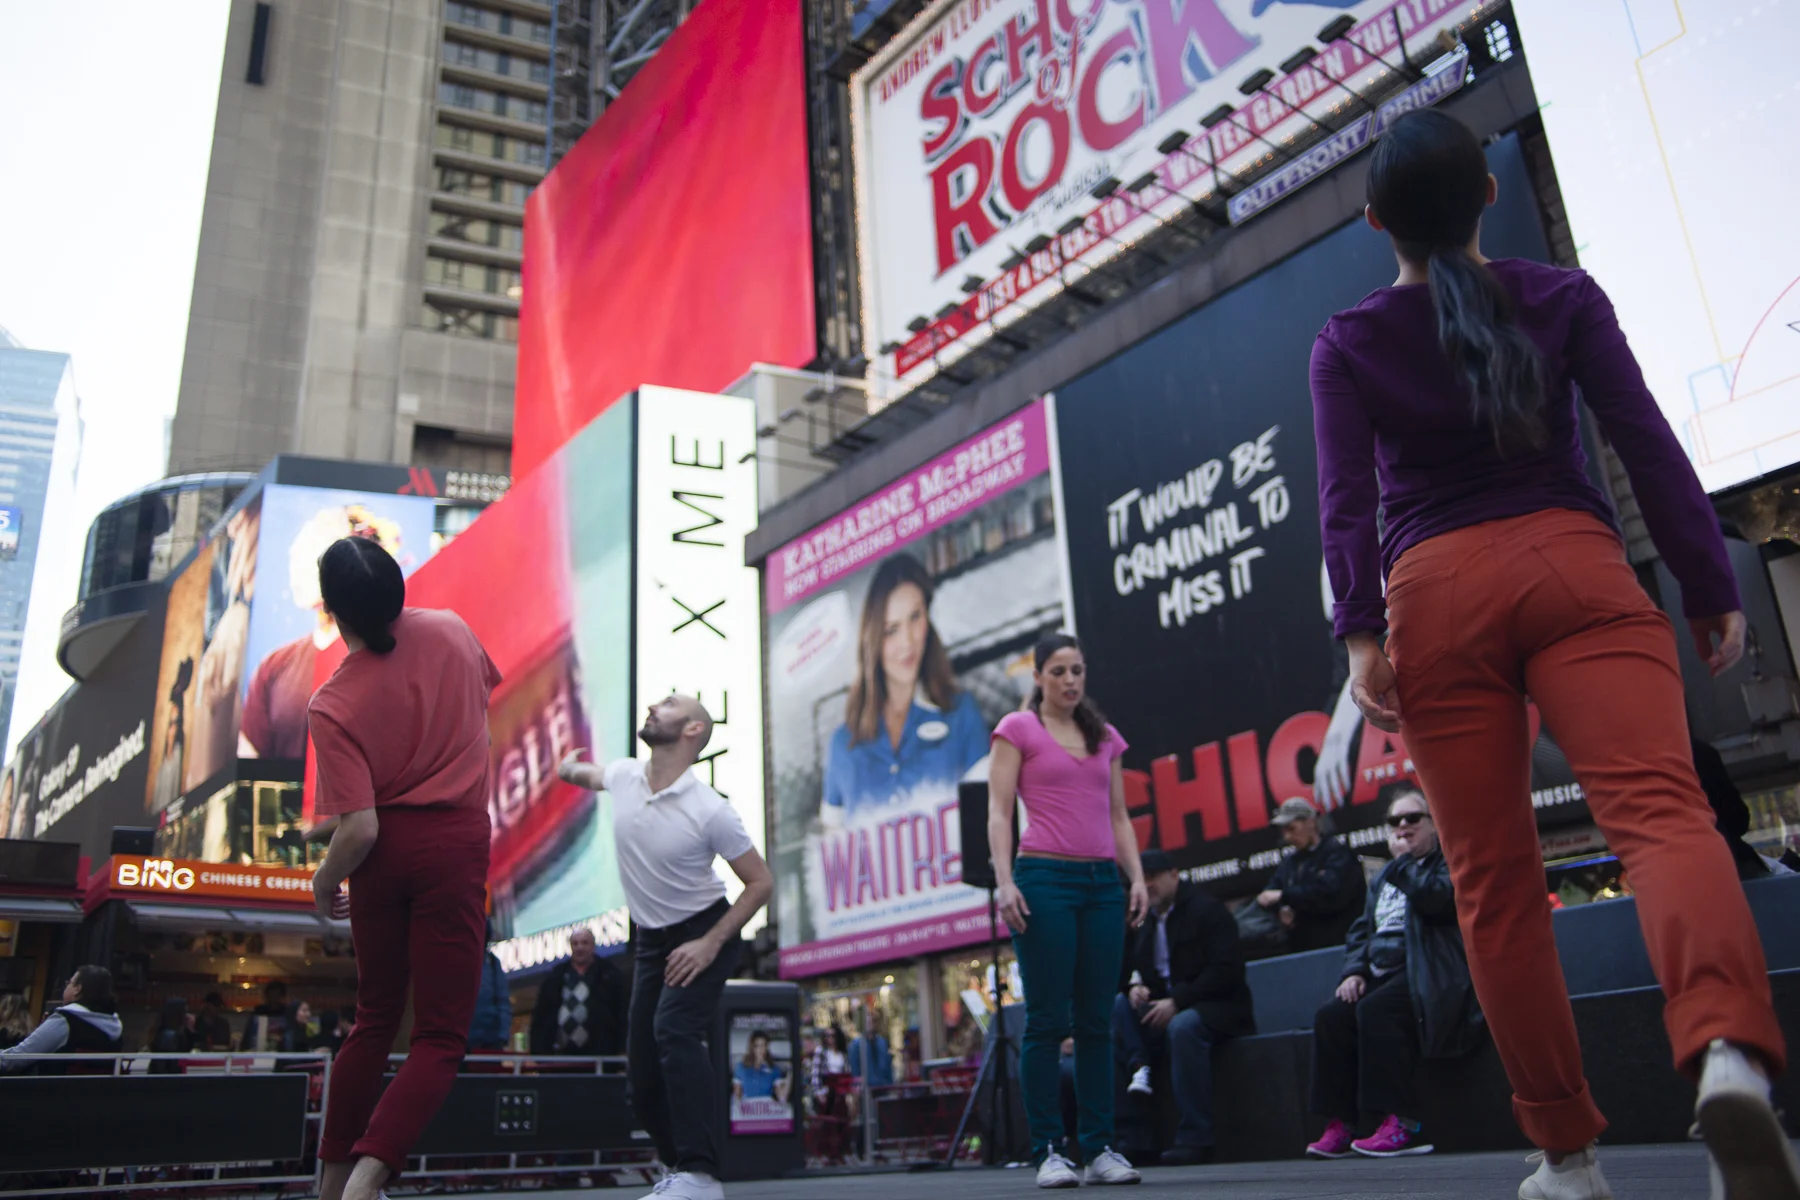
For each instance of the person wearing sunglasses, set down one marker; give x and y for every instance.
(1405, 994)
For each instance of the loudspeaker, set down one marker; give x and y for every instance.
(977, 855)
(127, 839)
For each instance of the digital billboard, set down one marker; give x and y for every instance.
(983, 129)
(12, 523)
(899, 633)
(673, 244)
(1190, 486)
(1667, 132)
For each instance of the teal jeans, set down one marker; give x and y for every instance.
(1069, 958)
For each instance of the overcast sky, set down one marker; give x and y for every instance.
(106, 118)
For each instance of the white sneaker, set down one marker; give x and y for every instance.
(1109, 1166)
(1140, 1082)
(1057, 1172)
(686, 1185)
(1576, 1177)
(1751, 1156)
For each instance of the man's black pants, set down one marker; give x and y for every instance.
(666, 1052)
(1365, 1054)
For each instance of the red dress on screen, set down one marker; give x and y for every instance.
(406, 733)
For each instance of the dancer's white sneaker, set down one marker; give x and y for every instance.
(1140, 1082)
(1576, 1177)
(1110, 1167)
(1752, 1158)
(1057, 1172)
(686, 1185)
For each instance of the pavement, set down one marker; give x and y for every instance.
(1635, 1172)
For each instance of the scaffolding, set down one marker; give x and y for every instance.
(596, 46)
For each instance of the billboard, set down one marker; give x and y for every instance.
(983, 129)
(1662, 121)
(1197, 573)
(899, 633)
(691, 194)
(642, 513)
(12, 523)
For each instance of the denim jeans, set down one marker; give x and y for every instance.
(1189, 1045)
(1069, 957)
(673, 1087)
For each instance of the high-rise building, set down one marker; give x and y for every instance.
(40, 447)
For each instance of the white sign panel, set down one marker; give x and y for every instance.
(1675, 155)
(989, 122)
(698, 615)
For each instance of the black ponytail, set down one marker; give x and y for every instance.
(1088, 717)
(363, 590)
(1428, 187)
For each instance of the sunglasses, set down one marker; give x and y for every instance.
(1399, 819)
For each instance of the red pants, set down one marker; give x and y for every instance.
(418, 917)
(1546, 606)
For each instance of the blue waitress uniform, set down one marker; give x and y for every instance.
(936, 748)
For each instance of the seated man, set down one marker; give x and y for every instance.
(1405, 993)
(1317, 890)
(1185, 991)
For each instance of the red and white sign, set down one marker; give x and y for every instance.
(989, 123)
(217, 881)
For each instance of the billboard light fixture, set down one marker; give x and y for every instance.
(1071, 225)
(767, 431)
(1336, 30)
(890, 347)
(1104, 188)
(1175, 141)
(856, 364)
(948, 309)
(1040, 242)
(1141, 182)
(815, 395)
(1257, 82)
(972, 284)
(1217, 116)
(1298, 59)
(1012, 262)
(919, 324)
(792, 414)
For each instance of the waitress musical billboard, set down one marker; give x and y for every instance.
(899, 633)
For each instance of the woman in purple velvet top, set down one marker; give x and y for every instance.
(1448, 402)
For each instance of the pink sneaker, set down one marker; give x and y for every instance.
(1335, 1143)
(1392, 1140)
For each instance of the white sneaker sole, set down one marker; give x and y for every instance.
(1754, 1158)
(1138, 1091)
(1092, 1181)
(1409, 1152)
(1312, 1153)
(1072, 1181)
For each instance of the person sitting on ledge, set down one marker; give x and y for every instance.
(1406, 993)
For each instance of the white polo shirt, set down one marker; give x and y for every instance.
(666, 843)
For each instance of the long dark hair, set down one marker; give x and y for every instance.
(96, 987)
(869, 694)
(1428, 186)
(363, 589)
(1088, 717)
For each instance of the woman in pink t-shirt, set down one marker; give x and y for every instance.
(1065, 903)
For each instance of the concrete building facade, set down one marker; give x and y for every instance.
(357, 287)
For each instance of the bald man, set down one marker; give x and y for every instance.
(668, 827)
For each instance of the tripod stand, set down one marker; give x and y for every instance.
(999, 1060)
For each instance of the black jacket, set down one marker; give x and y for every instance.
(1437, 971)
(607, 1004)
(1206, 962)
(1324, 887)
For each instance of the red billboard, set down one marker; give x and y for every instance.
(673, 245)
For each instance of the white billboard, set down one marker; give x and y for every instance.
(698, 614)
(988, 124)
(1668, 130)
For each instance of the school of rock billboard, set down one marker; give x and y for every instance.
(1190, 492)
(987, 124)
(899, 633)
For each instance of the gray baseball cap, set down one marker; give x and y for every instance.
(1293, 809)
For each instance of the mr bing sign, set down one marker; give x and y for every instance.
(989, 124)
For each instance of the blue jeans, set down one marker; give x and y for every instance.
(1189, 1045)
(1069, 957)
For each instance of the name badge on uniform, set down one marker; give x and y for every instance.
(933, 731)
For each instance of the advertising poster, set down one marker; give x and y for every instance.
(1197, 571)
(899, 633)
(12, 523)
(762, 1074)
(177, 683)
(983, 130)
(288, 628)
(217, 702)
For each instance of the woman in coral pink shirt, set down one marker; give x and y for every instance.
(1065, 902)
(400, 737)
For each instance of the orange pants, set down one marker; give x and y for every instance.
(1546, 606)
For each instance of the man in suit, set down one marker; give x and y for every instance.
(1184, 991)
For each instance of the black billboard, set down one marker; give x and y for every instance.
(1190, 489)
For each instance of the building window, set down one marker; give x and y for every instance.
(469, 322)
(460, 54)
